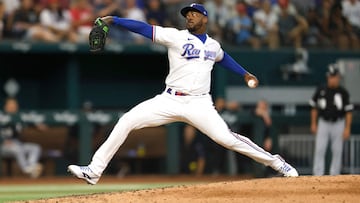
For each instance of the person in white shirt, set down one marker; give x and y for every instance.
(134, 12)
(219, 14)
(351, 10)
(58, 21)
(266, 27)
(186, 98)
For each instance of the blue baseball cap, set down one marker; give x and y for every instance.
(194, 7)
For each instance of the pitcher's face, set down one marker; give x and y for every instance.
(196, 22)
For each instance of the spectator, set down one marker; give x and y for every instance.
(107, 7)
(58, 21)
(252, 6)
(284, 5)
(264, 139)
(292, 27)
(340, 30)
(331, 118)
(156, 14)
(218, 14)
(241, 28)
(323, 15)
(172, 9)
(351, 10)
(11, 6)
(24, 24)
(192, 153)
(335, 26)
(27, 155)
(82, 18)
(314, 37)
(262, 111)
(228, 110)
(303, 6)
(266, 26)
(231, 5)
(65, 4)
(39, 5)
(134, 12)
(112, 7)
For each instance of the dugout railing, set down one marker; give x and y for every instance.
(299, 150)
(85, 123)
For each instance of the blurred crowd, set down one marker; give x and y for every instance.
(252, 23)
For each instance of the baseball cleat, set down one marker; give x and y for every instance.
(286, 169)
(85, 173)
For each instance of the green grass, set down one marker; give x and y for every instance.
(43, 191)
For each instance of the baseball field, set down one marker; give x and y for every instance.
(138, 189)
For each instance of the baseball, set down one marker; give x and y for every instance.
(251, 83)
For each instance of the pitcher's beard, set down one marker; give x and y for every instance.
(194, 28)
(191, 29)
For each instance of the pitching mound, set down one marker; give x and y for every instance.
(343, 188)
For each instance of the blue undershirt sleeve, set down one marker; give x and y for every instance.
(229, 63)
(139, 27)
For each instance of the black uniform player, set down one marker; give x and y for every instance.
(27, 155)
(331, 119)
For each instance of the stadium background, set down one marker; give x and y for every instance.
(118, 79)
(57, 79)
(57, 92)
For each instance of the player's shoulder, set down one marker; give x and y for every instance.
(172, 32)
(343, 90)
(166, 29)
(213, 41)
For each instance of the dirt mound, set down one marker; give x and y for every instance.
(343, 188)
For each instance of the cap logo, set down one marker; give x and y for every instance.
(198, 7)
(333, 70)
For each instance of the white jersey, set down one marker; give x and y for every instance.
(190, 60)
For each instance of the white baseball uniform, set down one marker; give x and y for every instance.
(185, 99)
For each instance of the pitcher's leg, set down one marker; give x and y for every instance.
(150, 113)
(106, 151)
(321, 142)
(336, 147)
(215, 127)
(146, 114)
(245, 146)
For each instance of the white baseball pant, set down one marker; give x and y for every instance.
(165, 108)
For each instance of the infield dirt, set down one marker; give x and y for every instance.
(342, 188)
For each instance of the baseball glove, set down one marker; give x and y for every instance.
(97, 36)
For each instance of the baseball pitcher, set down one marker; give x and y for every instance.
(186, 98)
